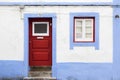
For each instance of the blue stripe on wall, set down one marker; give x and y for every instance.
(116, 48)
(55, 3)
(79, 71)
(12, 69)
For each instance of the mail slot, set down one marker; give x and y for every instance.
(40, 37)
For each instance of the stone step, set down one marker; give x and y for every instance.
(40, 68)
(39, 78)
(40, 74)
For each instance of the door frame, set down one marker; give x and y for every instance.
(26, 40)
(45, 44)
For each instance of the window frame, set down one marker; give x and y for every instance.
(40, 34)
(93, 35)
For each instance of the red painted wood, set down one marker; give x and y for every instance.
(40, 50)
(40, 55)
(40, 44)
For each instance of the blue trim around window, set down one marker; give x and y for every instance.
(94, 44)
(26, 39)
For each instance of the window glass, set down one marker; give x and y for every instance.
(40, 28)
(84, 29)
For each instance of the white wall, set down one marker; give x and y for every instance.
(11, 34)
(55, 0)
(12, 31)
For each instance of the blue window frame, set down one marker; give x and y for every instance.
(86, 44)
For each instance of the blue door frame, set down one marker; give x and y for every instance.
(26, 39)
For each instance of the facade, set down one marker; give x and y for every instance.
(80, 42)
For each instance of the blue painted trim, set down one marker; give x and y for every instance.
(96, 43)
(85, 71)
(116, 43)
(11, 69)
(55, 3)
(26, 39)
(116, 2)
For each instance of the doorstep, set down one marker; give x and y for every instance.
(39, 78)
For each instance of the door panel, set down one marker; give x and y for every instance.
(40, 41)
(40, 44)
(40, 55)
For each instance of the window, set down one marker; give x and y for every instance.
(84, 29)
(40, 28)
(88, 37)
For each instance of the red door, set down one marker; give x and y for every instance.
(40, 41)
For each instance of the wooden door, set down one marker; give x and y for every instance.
(40, 41)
